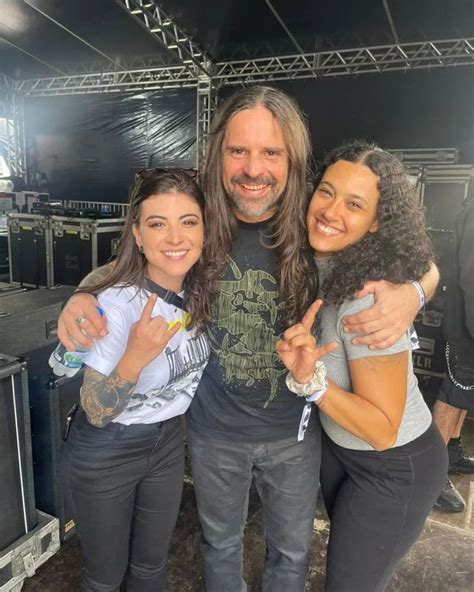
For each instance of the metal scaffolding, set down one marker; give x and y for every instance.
(194, 69)
(162, 28)
(15, 134)
(206, 105)
(145, 79)
(344, 62)
(356, 61)
(7, 84)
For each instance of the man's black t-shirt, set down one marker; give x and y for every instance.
(242, 393)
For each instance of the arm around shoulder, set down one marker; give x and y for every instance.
(83, 305)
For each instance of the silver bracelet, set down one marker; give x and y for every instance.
(317, 382)
(421, 293)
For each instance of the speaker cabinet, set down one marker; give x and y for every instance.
(17, 500)
(51, 400)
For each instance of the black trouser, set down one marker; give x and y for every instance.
(125, 484)
(377, 503)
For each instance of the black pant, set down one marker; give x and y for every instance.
(377, 503)
(125, 484)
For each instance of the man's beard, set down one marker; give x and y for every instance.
(253, 207)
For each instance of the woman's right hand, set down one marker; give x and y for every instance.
(298, 348)
(72, 333)
(148, 337)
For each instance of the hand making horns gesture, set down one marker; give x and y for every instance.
(298, 349)
(149, 336)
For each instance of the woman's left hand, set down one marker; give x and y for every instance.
(298, 349)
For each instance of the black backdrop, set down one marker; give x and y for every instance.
(89, 146)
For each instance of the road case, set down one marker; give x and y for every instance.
(29, 320)
(17, 502)
(21, 559)
(30, 249)
(53, 402)
(82, 244)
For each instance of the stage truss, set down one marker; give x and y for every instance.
(194, 69)
(344, 62)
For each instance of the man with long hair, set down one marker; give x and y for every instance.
(244, 425)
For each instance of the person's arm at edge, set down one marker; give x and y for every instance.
(395, 309)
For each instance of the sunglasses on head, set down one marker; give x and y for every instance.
(152, 173)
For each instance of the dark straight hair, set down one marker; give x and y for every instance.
(129, 265)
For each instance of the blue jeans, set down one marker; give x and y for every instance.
(286, 474)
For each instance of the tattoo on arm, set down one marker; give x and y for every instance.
(96, 276)
(103, 398)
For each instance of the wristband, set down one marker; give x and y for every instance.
(316, 383)
(317, 395)
(421, 293)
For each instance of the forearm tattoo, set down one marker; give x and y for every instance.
(103, 398)
(96, 276)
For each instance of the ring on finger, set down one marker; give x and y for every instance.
(80, 319)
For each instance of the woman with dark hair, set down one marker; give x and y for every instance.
(124, 456)
(383, 461)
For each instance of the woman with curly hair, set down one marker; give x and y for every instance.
(383, 461)
(124, 457)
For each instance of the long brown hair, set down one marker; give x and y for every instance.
(296, 274)
(129, 266)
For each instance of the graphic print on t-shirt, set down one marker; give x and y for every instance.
(241, 337)
(185, 359)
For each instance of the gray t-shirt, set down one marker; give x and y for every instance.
(416, 416)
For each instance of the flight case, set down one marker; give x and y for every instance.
(79, 245)
(29, 320)
(21, 559)
(30, 249)
(17, 501)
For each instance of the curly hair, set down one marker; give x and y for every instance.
(400, 250)
(130, 265)
(296, 271)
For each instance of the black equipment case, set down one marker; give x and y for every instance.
(53, 402)
(47, 249)
(29, 320)
(17, 500)
(82, 244)
(30, 249)
(28, 327)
